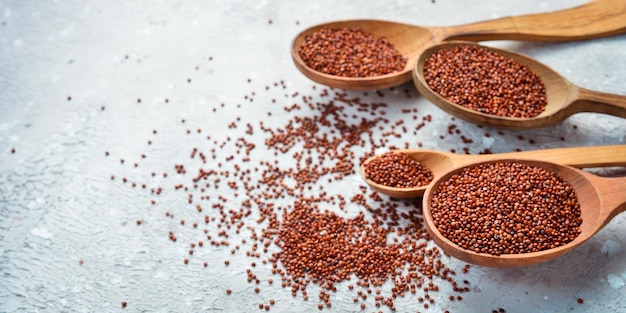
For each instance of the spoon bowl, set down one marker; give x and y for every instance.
(600, 200)
(596, 19)
(563, 98)
(409, 40)
(440, 162)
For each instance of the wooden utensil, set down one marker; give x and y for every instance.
(598, 18)
(563, 98)
(600, 199)
(441, 162)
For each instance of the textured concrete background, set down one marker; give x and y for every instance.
(71, 74)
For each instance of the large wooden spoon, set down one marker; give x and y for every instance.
(563, 98)
(599, 18)
(441, 162)
(600, 199)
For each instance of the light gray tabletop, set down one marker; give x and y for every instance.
(146, 82)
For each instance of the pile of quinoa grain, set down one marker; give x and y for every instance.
(283, 223)
(506, 208)
(483, 80)
(397, 169)
(350, 52)
(277, 196)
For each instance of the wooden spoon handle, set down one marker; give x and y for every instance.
(579, 157)
(599, 102)
(612, 192)
(600, 18)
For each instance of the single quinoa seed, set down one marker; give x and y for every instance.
(483, 80)
(397, 169)
(350, 52)
(506, 208)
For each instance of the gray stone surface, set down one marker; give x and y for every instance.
(58, 204)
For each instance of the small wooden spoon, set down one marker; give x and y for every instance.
(596, 19)
(600, 199)
(441, 162)
(563, 98)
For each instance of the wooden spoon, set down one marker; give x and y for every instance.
(441, 162)
(600, 199)
(596, 19)
(563, 97)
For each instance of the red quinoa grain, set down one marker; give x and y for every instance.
(350, 52)
(506, 208)
(397, 169)
(266, 206)
(483, 80)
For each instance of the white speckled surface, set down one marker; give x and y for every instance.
(58, 204)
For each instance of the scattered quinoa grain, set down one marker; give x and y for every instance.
(288, 216)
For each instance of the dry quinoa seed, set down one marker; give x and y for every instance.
(350, 52)
(299, 233)
(485, 81)
(506, 208)
(397, 169)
